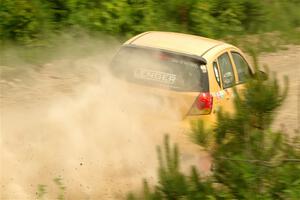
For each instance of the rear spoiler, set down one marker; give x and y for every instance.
(199, 58)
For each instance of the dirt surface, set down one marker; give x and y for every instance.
(286, 63)
(70, 119)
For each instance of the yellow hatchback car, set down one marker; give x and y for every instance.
(194, 74)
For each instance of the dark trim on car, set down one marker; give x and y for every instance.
(200, 58)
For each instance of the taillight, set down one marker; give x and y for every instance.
(202, 105)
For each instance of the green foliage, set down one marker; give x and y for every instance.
(32, 21)
(173, 184)
(35, 28)
(58, 182)
(41, 190)
(250, 161)
(22, 21)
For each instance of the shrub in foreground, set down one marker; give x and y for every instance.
(250, 161)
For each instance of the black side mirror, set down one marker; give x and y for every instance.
(261, 75)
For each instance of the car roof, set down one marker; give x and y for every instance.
(178, 42)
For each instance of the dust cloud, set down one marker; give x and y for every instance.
(71, 119)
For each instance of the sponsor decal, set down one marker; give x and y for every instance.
(158, 76)
(222, 94)
(219, 95)
(203, 68)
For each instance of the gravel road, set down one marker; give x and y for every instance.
(287, 63)
(55, 123)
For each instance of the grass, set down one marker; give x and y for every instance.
(266, 42)
(42, 190)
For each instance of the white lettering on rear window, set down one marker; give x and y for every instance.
(152, 75)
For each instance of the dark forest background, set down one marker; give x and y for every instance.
(34, 22)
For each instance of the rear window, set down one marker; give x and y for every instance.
(160, 69)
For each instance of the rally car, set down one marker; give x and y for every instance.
(193, 74)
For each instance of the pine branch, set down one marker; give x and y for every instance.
(262, 162)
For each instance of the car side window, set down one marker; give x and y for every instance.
(216, 72)
(226, 70)
(242, 67)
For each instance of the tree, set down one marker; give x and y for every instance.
(250, 161)
(29, 21)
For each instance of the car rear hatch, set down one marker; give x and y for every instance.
(175, 81)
